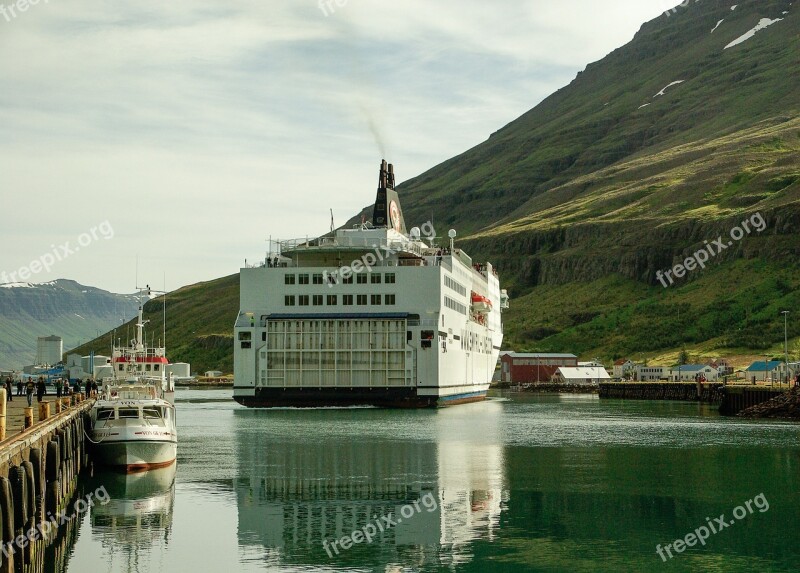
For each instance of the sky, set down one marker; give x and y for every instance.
(173, 139)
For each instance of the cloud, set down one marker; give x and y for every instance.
(199, 129)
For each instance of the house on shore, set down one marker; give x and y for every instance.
(693, 373)
(763, 371)
(623, 368)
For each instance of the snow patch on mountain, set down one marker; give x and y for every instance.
(665, 88)
(763, 23)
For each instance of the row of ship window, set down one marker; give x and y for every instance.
(333, 300)
(360, 278)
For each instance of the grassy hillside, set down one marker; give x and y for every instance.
(199, 325)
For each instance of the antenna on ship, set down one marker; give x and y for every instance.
(332, 225)
(164, 317)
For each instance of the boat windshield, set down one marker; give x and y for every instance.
(128, 413)
(105, 414)
(153, 413)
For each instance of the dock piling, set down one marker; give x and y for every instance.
(44, 411)
(3, 404)
(28, 418)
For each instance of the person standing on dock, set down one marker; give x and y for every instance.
(29, 391)
(59, 386)
(9, 392)
(19, 387)
(41, 390)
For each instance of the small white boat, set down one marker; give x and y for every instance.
(133, 420)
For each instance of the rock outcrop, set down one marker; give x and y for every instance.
(785, 407)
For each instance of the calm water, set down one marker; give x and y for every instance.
(514, 484)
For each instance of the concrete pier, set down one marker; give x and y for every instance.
(681, 391)
(732, 398)
(738, 398)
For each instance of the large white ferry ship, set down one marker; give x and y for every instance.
(372, 315)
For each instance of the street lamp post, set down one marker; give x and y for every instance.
(785, 314)
(766, 369)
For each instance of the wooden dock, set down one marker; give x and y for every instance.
(41, 458)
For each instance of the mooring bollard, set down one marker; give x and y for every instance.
(3, 415)
(65, 403)
(58, 406)
(44, 411)
(28, 417)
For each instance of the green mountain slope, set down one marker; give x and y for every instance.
(597, 121)
(583, 200)
(199, 325)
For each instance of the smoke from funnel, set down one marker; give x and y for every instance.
(374, 129)
(363, 82)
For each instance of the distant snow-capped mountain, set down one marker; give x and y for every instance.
(64, 308)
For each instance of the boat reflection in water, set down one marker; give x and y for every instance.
(138, 517)
(310, 478)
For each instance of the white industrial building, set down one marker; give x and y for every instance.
(580, 375)
(179, 370)
(49, 350)
(99, 367)
(651, 373)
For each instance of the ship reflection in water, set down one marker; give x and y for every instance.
(311, 492)
(138, 517)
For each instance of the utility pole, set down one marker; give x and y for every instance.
(785, 314)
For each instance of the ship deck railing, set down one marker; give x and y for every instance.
(354, 243)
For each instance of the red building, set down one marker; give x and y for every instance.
(524, 368)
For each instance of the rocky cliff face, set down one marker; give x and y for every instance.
(632, 250)
(63, 308)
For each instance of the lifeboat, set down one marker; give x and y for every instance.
(480, 303)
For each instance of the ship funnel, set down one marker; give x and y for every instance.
(387, 212)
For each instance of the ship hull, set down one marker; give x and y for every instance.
(352, 397)
(135, 455)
